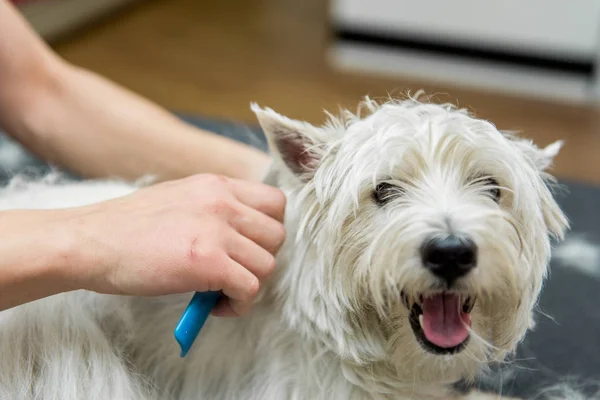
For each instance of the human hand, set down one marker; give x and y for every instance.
(202, 233)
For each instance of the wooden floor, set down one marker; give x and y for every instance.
(215, 57)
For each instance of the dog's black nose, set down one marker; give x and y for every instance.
(449, 258)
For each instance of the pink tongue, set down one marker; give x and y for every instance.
(444, 322)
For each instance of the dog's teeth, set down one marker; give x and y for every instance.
(421, 321)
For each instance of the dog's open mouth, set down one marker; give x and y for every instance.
(441, 321)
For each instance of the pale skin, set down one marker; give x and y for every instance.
(208, 224)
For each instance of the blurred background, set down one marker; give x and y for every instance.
(527, 66)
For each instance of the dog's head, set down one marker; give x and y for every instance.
(419, 236)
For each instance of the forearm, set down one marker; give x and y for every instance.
(81, 121)
(96, 128)
(37, 254)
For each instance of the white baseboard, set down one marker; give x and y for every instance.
(441, 69)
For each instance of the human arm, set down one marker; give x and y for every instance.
(36, 253)
(200, 233)
(78, 120)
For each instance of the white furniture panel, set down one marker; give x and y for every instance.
(565, 26)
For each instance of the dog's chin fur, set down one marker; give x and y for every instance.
(333, 321)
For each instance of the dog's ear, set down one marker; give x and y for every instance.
(295, 143)
(554, 217)
(543, 158)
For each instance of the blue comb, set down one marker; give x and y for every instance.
(193, 319)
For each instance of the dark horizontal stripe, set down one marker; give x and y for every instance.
(580, 67)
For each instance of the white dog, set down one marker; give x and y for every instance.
(418, 241)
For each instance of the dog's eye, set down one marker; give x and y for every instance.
(493, 189)
(384, 192)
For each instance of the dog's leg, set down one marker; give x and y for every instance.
(67, 347)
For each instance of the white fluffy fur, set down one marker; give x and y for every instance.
(330, 323)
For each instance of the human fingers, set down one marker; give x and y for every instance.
(251, 256)
(261, 197)
(263, 230)
(236, 282)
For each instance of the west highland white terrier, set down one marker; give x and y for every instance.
(418, 239)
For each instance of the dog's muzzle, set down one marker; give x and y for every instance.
(441, 317)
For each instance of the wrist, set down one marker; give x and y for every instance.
(82, 256)
(39, 256)
(252, 166)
